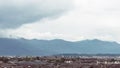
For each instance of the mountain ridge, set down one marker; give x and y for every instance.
(10, 46)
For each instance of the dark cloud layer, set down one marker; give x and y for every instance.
(14, 13)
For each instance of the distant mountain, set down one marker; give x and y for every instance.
(87, 55)
(57, 46)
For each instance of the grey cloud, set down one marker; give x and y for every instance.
(14, 13)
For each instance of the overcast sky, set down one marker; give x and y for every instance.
(71, 20)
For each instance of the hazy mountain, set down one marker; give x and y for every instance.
(57, 46)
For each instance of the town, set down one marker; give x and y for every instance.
(59, 62)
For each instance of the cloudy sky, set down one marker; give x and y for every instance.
(71, 20)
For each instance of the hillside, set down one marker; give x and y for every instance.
(57, 46)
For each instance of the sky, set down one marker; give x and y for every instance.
(71, 20)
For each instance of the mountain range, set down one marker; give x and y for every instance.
(57, 46)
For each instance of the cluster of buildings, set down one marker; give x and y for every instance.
(58, 62)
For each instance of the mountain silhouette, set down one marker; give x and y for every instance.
(56, 46)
